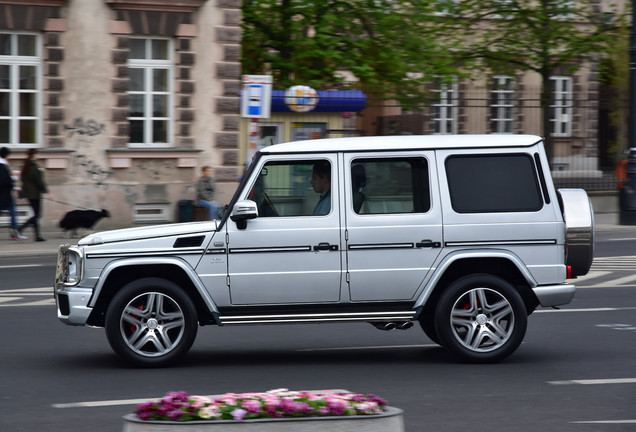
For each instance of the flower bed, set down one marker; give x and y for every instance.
(273, 411)
(281, 403)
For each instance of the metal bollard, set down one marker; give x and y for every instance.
(627, 194)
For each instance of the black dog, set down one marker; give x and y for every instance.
(76, 219)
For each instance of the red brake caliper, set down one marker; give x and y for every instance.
(132, 326)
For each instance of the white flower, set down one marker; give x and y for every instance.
(200, 401)
(210, 411)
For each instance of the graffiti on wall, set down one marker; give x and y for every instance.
(88, 169)
(155, 170)
(84, 127)
(82, 165)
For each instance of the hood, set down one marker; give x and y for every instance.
(145, 232)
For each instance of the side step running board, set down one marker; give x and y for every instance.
(391, 316)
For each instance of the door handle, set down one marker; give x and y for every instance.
(325, 247)
(428, 244)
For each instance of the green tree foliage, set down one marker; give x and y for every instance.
(543, 36)
(614, 76)
(382, 44)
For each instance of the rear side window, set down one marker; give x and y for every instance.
(390, 185)
(493, 183)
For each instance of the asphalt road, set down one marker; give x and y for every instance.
(575, 371)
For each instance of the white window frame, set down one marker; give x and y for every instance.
(561, 106)
(148, 66)
(150, 213)
(15, 61)
(445, 108)
(502, 102)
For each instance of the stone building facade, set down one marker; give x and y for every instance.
(125, 99)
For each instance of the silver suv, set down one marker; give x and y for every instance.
(464, 235)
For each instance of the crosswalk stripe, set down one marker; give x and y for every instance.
(591, 275)
(17, 297)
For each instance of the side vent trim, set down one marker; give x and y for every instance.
(184, 242)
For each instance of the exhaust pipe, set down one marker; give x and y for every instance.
(386, 326)
(405, 325)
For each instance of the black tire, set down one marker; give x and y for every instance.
(481, 318)
(163, 330)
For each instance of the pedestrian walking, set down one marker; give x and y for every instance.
(6, 194)
(33, 186)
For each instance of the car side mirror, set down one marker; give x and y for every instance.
(242, 212)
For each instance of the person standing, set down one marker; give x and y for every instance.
(33, 186)
(6, 194)
(205, 192)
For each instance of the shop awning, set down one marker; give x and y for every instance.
(328, 101)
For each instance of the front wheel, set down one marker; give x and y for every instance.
(481, 318)
(151, 322)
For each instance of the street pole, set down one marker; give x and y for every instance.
(627, 195)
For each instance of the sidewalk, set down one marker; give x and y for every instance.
(603, 222)
(9, 248)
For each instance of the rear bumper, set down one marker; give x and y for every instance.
(554, 295)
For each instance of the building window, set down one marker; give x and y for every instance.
(308, 131)
(150, 93)
(502, 104)
(561, 106)
(20, 89)
(445, 108)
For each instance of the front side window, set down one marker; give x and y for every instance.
(493, 183)
(390, 186)
(445, 108)
(561, 106)
(20, 89)
(293, 188)
(150, 92)
(502, 104)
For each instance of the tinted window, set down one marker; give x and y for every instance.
(493, 183)
(392, 185)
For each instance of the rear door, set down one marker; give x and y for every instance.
(393, 223)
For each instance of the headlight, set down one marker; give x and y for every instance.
(69, 266)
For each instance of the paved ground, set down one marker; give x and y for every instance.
(604, 222)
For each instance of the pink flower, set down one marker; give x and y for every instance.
(175, 414)
(305, 408)
(239, 414)
(252, 406)
(289, 406)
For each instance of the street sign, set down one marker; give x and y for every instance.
(256, 100)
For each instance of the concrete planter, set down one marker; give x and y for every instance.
(389, 421)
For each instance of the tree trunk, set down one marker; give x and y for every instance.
(546, 97)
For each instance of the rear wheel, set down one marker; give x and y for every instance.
(481, 318)
(151, 322)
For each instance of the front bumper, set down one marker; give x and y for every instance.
(71, 299)
(72, 304)
(554, 295)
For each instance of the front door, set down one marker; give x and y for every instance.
(393, 224)
(291, 253)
